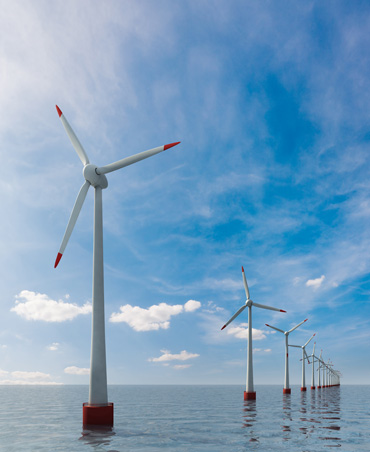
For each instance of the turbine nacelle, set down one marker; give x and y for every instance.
(248, 303)
(91, 175)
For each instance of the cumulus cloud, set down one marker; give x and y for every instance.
(19, 377)
(167, 356)
(73, 370)
(54, 346)
(37, 306)
(192, 305)
(241, 332)
(315, 283)
(153, 318)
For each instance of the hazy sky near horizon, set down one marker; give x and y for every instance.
(270, 101)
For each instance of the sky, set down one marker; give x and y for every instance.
(270, 101)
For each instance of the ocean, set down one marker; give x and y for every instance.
(187, 418)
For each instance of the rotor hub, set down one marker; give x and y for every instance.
(95, 179)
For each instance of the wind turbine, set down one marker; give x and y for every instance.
(319, 386)
(313, 367)
(304, 356)
(286, 389)
(249, 393)
(97, 411)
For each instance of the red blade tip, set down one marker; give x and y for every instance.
(266, 324)
(223, 327)
(59, 111)
(242, 269)
(171, 145)
(57, 260)
(282, 310)
(306, 320)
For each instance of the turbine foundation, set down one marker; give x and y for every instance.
(249, 395)
(97, 414)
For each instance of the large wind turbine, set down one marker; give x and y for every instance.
(97, 411)
(286, 389)
(304, 356)
(249, 393)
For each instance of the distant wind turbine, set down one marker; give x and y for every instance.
(97, 411)
(313, 367)
(304, 356)
(249, 393)
(286, 389)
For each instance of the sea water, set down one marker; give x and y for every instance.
(187, 418)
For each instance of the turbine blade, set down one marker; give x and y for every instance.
(274, 328)
(245, 284)
(72, 220)
(263, 306)
(309, 340)
(313, 351)
(299, 324)
(234, 316)
(307, 357)
(72, 136)
(298, 346)
(133, 159)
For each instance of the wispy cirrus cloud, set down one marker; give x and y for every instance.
(37, 306)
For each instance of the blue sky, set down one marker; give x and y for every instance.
(271, 104)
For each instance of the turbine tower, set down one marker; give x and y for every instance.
(304, 356)
(249, 393)
(97, 411)
(313, 367)
(286, 389)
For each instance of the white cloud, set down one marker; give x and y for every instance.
(192, 305)
(19, 377)
(73, 370)
(315, 283)
(266, 350)
(181, 366)
(241, 332)
(24, 375)
(54, 346)
(153, 318)
(167, 356)
(37, 306)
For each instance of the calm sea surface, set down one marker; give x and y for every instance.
(187, 418)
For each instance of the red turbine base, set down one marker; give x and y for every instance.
(287, 391)
(97, 414)
(304, 389)
(249, 395)
(313, 387)
(319, 387)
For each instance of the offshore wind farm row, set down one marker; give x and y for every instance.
(330, 376)
(98, 411)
